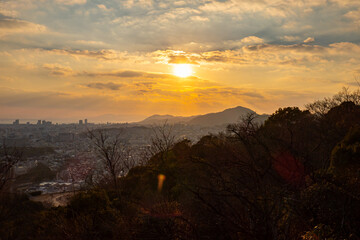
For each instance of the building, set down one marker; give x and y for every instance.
(65, 137)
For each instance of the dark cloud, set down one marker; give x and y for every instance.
(146, 85)
(128, 74)
(296, 47)
(120, 74)
(12, 23)
(151, 25)
(109, 85)
(103, 54)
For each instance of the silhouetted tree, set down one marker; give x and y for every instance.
(9, 157)
(114, 155)
(321, 107)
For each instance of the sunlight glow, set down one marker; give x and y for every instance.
(182, 70)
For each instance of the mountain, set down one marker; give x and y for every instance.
(231, 115)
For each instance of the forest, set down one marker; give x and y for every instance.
(294, 177)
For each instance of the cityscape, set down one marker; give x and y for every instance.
(59, 158)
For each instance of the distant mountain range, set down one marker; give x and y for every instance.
(228, 116)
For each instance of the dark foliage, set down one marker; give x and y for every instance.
(294, 177)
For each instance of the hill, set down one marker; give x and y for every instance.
(231, 115)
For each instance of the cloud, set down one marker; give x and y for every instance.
(120, 74)
(146, 85)
(109, 85)
(12, 26)
(309, 40)
(229, 91)
(344, 48)
(180, 60)
(175, 57)
(70, 2)
(128, 74)
(289, 57)
(233, 44)
(8, 13)
(57, 69)
(159, 25)
(90, 43)
(104, 54)
(199, 19)
(120, 50)
(252, 40)
(147, 25)
(290, 38)
(354, 15)
(103, 7)
(249, 54)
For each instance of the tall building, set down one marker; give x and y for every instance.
(85, 121)
(16, 122)
(80, 122)
(39, 122)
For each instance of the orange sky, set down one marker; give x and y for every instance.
(72, 59)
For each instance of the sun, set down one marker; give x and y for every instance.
(182, 70)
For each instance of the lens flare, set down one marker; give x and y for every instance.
(161, 179)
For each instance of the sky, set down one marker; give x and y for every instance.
(73, 59)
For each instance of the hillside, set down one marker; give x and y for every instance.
(230, 115)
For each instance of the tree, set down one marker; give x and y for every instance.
(9, 157)
(163, 138)
(321, 107)
(114, 155)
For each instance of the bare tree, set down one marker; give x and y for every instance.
(357, 78)
(161, 141)
(163, 138)
(321, 107)
(115, 156)
(245, 128)
(9, 157)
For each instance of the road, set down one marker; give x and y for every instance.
(54, 199)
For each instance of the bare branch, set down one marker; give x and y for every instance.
(9, 157)
(114, 155)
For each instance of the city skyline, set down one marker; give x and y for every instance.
(76, 59)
